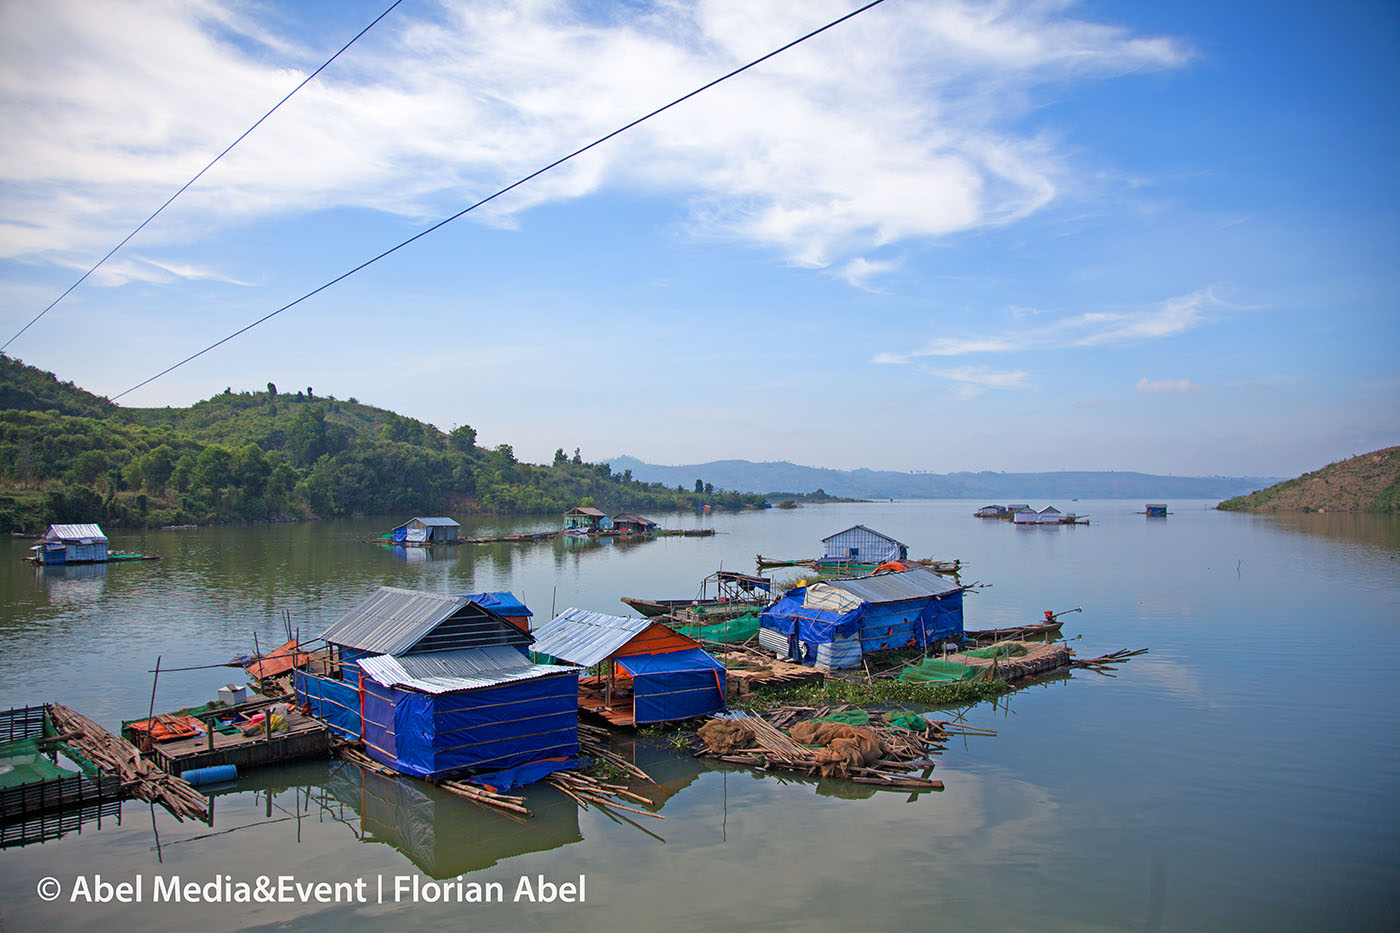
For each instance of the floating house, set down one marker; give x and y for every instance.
(652, 674)
(1156, 510)
(991, 511)
(426, 531)
(629, 523)
(435, 685)
(71, 544)
(832, 625)
(1048, 516)
(504, 603)
(1025, 515)
(586, 517)
(861, 545)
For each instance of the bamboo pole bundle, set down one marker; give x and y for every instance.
(140, 776)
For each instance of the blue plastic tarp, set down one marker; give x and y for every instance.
(511, 778)
(500, 727)
(503, 603)
(334, 702)
(814, 626)
(674, 685)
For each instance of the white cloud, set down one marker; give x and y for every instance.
(859, 271)
(972, 381)
(1168, 385)
(1093, 329)
(900, 123)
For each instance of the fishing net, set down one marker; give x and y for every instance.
(931, 670)
(729, 632)
(851, 717)
(905, 720)
(999, 651)
(21, 762)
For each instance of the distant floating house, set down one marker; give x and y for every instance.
(991, 511)
(582, 516)
(1156, 510)
(630, 523)
(1024, 515)
(1048, 516)
(832, 625)
(71, 544)
(435, 685)
(652, 674)
(505, 604)
(426, 531)
(861, 545)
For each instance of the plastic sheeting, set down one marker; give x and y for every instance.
(511, 778)
(906, 624)
(334, 702)
(497, 727)
(788, 617)
(674, 685)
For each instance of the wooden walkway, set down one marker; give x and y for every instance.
(304, 737)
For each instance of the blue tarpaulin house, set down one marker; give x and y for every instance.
(435, 685)
(833, 624)
(71, 544)
(651, 674)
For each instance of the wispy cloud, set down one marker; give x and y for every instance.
(1093, 329)
(897, 125)
(972, 381)
(859, 271)
(1168, 385)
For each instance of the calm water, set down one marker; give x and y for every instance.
(1244, 774)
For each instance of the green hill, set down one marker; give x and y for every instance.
(67, 455)
(1368, 483)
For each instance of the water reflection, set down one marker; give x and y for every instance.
(68, 586)
(444, 835)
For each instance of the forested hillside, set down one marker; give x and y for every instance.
(67, 455)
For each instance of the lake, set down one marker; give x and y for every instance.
(1244, 774)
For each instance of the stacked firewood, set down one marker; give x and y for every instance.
(139, 776)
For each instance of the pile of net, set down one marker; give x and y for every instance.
(725, 735)
(1011, 650)
(842, 746)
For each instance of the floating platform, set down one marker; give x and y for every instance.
(304, 737)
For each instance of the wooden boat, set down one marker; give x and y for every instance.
(660, 607)
(1018, 631)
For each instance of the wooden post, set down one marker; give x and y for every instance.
(150, 725)
(612, 672)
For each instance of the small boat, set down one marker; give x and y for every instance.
(733, 589)
(1050, 626)
(652, 608)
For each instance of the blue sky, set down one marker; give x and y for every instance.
(941, 236)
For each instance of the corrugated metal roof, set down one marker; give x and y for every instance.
(632, 517)
(88, 531)
(582, 637)
(439, 521)
(864, 528)
(449, 671)
(586, 510)
(918, 583)
(393, 620)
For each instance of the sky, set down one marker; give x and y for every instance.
(939, 236)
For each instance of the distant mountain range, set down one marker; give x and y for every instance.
(784, 477)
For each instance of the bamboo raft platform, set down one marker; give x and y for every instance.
(888, 757)
(1040, 658)
(138, 775)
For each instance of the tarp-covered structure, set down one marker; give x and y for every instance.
(506, 604)
(834, 624)
(435, 685)
(435, 530)
(71, 544)
(667, 675)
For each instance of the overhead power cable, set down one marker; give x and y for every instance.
(156, 213)
(512, 186)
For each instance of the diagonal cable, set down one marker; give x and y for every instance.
(141, 226)
(513, 185)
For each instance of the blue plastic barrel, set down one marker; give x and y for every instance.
(218, 774)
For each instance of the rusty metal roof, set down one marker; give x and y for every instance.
(450, 671)
(583, 637)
